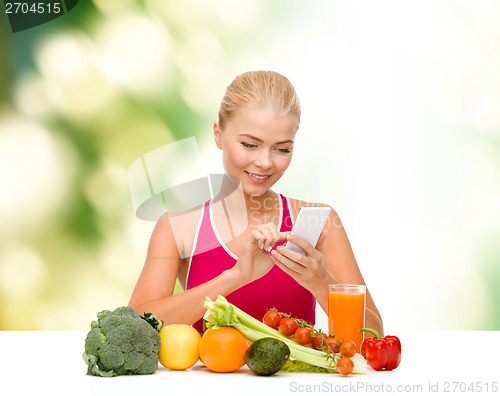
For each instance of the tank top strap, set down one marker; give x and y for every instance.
(206, 238)
(276, 288)
(287, 219)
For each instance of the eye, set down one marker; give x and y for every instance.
(248, 145)
(284, 150)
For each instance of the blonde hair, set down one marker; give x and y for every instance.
(261, 89)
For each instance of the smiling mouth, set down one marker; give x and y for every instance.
(258, 177)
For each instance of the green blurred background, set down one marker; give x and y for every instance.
(400, 134)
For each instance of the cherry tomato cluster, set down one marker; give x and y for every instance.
(346, 349)
(305, 334)
(289, 326)
(345, 365)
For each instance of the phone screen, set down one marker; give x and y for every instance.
(309, 224)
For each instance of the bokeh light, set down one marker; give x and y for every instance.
(35, 172)
(135, 49)
(399, 133)
(76, 86)
(22, 271)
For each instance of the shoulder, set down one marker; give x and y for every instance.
(186, 217)
(180, 226)
(180, 218)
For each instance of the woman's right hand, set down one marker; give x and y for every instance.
(255, 260)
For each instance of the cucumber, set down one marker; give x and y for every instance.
(267, 356)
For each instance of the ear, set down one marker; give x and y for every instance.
(217, 136)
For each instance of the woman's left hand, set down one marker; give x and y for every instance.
(309, 271)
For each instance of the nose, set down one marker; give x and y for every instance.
(263, 159)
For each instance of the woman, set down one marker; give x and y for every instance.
(258, 119)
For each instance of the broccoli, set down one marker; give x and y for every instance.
(122, 342)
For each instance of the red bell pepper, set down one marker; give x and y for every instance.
(381, 353)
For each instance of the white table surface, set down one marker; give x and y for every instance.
(433, 362)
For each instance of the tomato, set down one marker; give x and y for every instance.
(345, 366)
(288, 326)
(317, 341)
(303, 335)
(223, 350)
(179, 346)
(272, 319)
(348, 349)
(333, 344)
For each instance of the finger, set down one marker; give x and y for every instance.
(258, 238)
(278, 237)
(274, 232)
(303, 244)
(281, 239)
(292, 264)
(321, 240)
(285, 264)
(293, 256)
(268, 236)
(283, 235)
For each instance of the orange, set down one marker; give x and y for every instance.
(223, 350)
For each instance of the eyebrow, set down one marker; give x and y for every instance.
(261, 141)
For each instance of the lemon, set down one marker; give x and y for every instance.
(179, 346)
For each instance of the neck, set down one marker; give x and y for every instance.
(261, 203)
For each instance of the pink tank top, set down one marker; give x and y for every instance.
(277, 289)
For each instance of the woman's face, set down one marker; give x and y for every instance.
(257, 146)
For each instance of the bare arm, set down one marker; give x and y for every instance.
(331, 261)
(155, 286)
(343, 268)
(154, 289)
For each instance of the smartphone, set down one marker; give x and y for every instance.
(308, 225)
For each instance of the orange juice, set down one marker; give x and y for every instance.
(346, 312)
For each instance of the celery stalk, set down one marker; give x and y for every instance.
(222, 313)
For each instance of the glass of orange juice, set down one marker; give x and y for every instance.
(346, 312)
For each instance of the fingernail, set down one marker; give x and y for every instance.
(290, 237)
